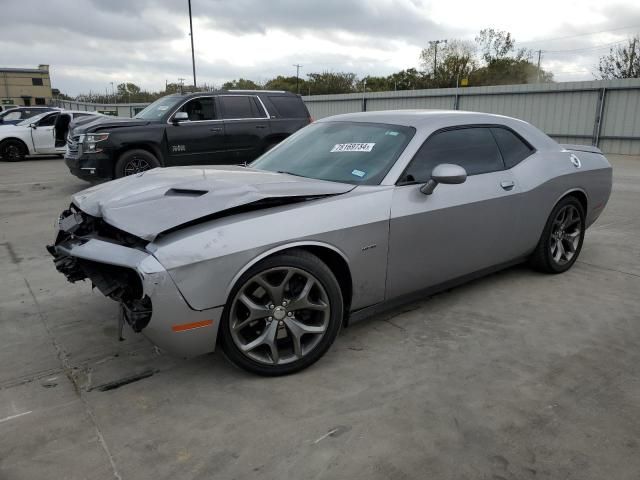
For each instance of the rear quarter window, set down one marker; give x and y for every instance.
(291, 107)
(513, 148)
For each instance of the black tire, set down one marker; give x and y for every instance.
(13, 151)
(297, 260)
(554, 231)
(135, 161)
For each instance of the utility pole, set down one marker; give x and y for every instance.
(435, 44)
(297, 77)
(539, 57)
(633, 51)
(364, 92)
(113, 93)
(181, 80)
(193, 56)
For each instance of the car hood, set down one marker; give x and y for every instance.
(100, 122)
(162, 199)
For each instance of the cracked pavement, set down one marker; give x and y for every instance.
(518, 375)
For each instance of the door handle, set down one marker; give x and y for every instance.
(507, 185)
(216, 129)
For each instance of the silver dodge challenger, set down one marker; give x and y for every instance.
(351, 215)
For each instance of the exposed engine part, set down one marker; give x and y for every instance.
(118, 283)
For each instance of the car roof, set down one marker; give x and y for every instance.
(421, 118)
(432, 120)
(234, 92)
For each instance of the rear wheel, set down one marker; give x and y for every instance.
(562, 238)
(135, 161)
(282, 315)
(13, 151)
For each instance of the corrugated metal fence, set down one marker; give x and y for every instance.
(602, 113)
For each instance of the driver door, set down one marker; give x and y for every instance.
(198, 140)
(458, 229)
(42, 134)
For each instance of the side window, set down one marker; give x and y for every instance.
(201, 108)
(472, 148)
(513, 148)
(286, 106)
(241, 106)
(48, 121)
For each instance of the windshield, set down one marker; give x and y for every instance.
(34, 119)
(349, 152)
(158, 109)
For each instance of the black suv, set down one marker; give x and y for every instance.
(207, 128)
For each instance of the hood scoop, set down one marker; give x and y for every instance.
(185, 192)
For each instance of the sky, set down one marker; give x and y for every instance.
(91, 43)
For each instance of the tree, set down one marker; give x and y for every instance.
(331, 82)
(241, 84)
(495, 44)
(456, 60)
(286, 83)
(508, 71)
(378, 84)
(409, 79)
(128, 89)
(623, 61)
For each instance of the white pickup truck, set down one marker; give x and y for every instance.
(44, 134)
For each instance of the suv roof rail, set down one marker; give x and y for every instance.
(257, 91)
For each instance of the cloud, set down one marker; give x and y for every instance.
(90, 43)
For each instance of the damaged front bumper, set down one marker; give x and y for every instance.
(150, 301)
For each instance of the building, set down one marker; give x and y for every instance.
(25, 86)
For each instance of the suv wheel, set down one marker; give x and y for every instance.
(135, 161)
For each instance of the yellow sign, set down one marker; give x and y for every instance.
(464, 82)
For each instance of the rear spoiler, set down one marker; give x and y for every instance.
(581, 148)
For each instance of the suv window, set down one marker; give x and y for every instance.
(13, 116)
(291, 107)
(473, 148)
(48, 121)
(201, 108)
(241, 106)
(512, 147)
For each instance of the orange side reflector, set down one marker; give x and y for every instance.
(190, 326)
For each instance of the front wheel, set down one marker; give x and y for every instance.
(282, 315)
(135, 161)
(562, 238)
(13, 151)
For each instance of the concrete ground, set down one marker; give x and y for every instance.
(516, 376)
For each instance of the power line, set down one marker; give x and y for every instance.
(584, 49)
(577, 35)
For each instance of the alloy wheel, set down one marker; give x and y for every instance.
(136, 165)
(279, 315)
(12, 153)
(565, 236)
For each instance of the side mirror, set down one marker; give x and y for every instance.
(444, 173)
(180, 117)
(33, 125)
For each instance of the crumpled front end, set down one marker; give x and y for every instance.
(118, 265)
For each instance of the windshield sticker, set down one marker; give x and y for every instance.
(358, 173)
(162, 108)
(389, 132)
(352, 147)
